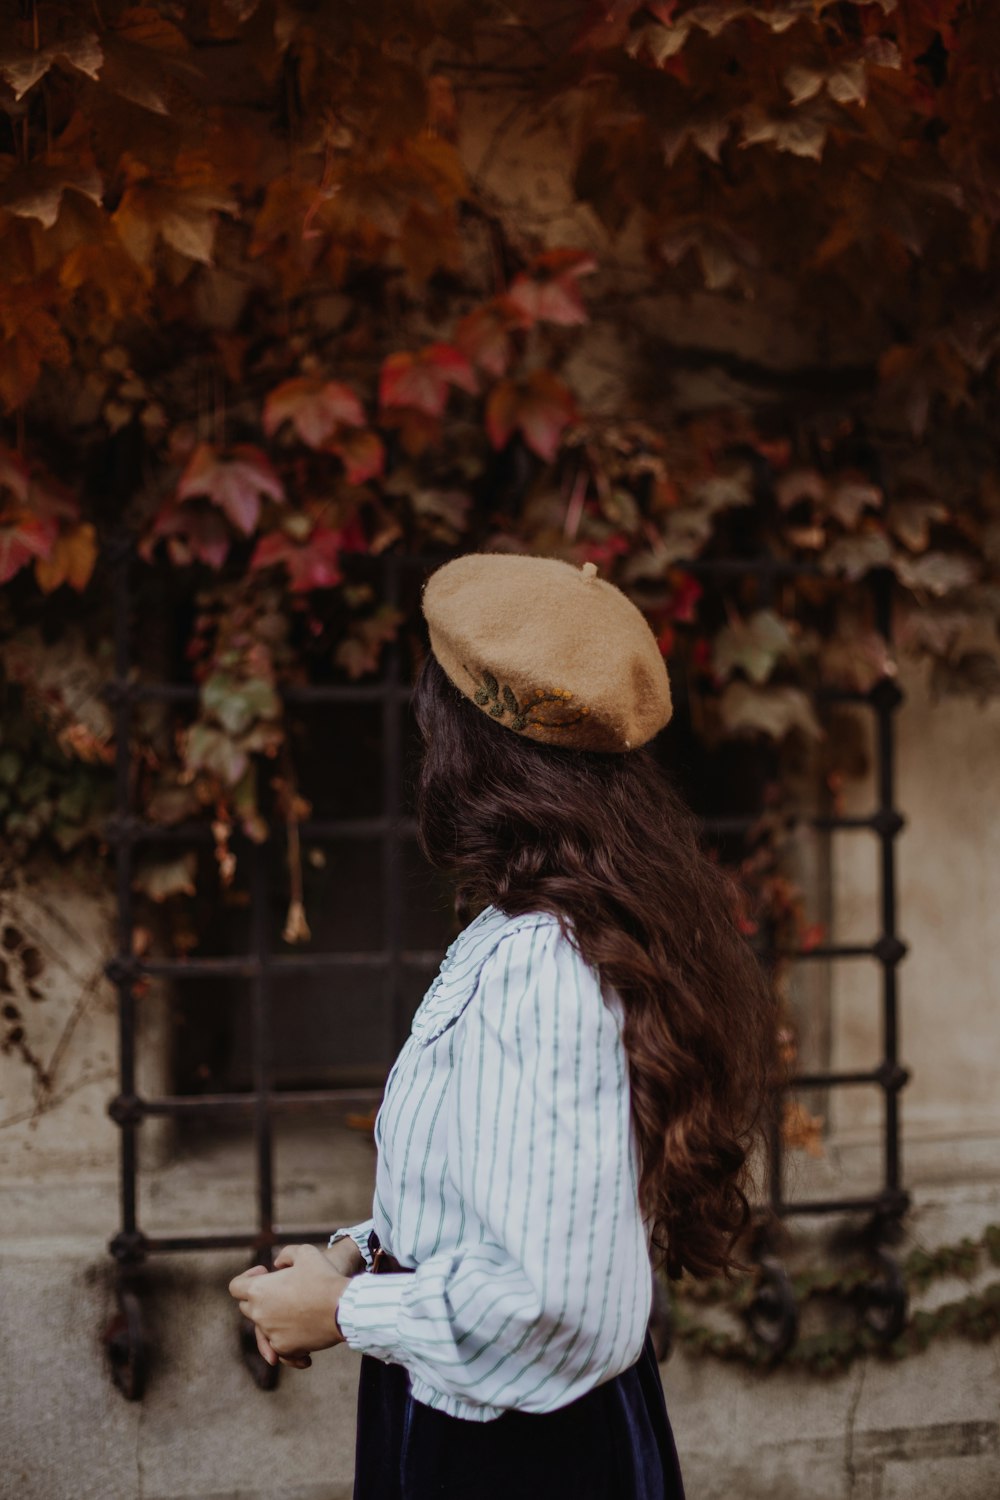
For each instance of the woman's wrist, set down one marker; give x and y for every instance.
(345, 1256)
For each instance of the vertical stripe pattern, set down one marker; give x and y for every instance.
(507, 1176)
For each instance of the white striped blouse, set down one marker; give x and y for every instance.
(507, 1176)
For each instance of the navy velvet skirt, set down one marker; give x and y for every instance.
(614, 1443)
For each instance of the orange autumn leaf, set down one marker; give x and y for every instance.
(362, 453)
(30, 338)
(145, 57)
(71, 560)
(181, 208)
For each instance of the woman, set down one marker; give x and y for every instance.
(581, 1086)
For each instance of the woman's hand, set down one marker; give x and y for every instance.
(294, 1307)
(297, 1362)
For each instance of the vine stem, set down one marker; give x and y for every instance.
(296, 929)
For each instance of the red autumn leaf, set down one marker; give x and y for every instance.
(315, 408)
(422, 380)
(314, 561)
(685, 598)
(551, 293)
(192, 534)
(701, 654)
(811, 936)
(603, 553)
(23, 537)
(540, 407)
(313, 564)
(234, 482)
(483, 337)
(362, 454)
(14, 475)
(31, 510)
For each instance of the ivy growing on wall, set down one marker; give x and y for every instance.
(263, 302)
(835, 1290)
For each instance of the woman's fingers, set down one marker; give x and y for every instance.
(266, 1351)
(287, 1256)
(239, 1285)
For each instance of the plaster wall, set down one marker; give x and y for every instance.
(948, 897)
(59, 1037)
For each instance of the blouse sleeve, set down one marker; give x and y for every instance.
(550, 1290)
(359, 1233)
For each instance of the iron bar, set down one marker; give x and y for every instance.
(320, 693)
(137, 831)
(120, 555)
(260, 1010)
(871, 1203)
(275, 1101)
(887, 701)
(251, 966)
(171, 1243)
(392, 770)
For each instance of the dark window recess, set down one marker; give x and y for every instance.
(379, 921)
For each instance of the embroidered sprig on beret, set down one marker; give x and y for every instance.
(548, 650)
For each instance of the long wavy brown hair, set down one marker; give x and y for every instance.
(607, 845)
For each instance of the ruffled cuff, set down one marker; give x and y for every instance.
(368, 1314)
(359, 1233)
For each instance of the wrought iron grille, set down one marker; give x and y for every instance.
(773, 1315)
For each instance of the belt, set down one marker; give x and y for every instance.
(381, 1259)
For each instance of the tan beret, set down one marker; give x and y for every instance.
(548, 650)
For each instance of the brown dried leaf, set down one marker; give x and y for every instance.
(802, 133)
(162, 879)
(857, 660)
(747, 709)
(22, 67)
(936, 572)
(36, 191)
(910, 521)
(856, 555)
(848, 499)
(755, 645)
